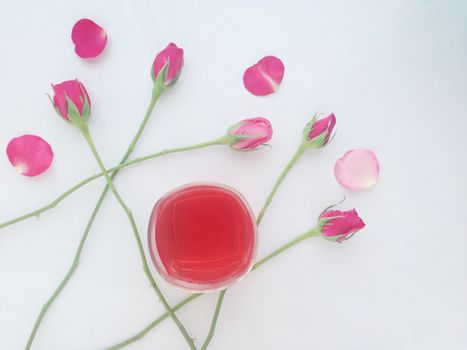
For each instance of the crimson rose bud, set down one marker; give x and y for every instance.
(71, 101)
(318, 131)
(338, 226)
(167, 65)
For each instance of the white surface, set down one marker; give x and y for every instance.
(393, 72)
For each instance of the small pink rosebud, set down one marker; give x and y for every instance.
(249, 134)
(338, 226)
(71, 101)
(89, 38)
(264, 77)
(318, 131)
(167, 65)
(31, 155)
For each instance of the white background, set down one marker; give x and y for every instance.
(393, 72)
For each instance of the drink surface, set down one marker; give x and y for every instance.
(202, 237)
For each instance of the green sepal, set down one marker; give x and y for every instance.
(56, 109)
(318, 141)
(330, 207)
(86, 107)
(160, 80)
(307, 129)
(231, 139)
(336, 238)
(324, 221)
(73, 114)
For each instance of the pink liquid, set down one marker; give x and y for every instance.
(202, 237)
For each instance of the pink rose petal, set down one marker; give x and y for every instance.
(264, 77)
(357, 169)
(30, 155)
(89, 38)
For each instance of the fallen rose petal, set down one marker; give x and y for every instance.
(89, 38)
(30, 155)
(264, 77)
(357, 169)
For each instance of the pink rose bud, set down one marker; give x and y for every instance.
(318, 131)
(249, 134)
(167, 66)
(338, 226)
(31, 155)
(71, 101)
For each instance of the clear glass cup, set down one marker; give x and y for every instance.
(202, 237)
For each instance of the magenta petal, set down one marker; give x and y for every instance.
(264, 77)
(75, 91)
(357, 169)
(89, 38)
(31, 155)
(341, 223)
(172, 55)
(323, 125)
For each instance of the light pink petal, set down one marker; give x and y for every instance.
(89, 38)
(264, 77)
(357, 169)
(31, 155)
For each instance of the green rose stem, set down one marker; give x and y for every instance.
(301, 149)
(215, 316)
(83, 127)
(156, 93)
(114, 170)
(314, 232)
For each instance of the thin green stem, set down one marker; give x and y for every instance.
(154, 323)
(156, 92)
(67, 277)
(212, 329)
(85, 131)
(268, 201)
(114, 170)
(286, 246)
(279, 180)
(189, 299)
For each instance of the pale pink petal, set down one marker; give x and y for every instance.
(89, 38)
(30, 155)
(357, 169)
(264, 77)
